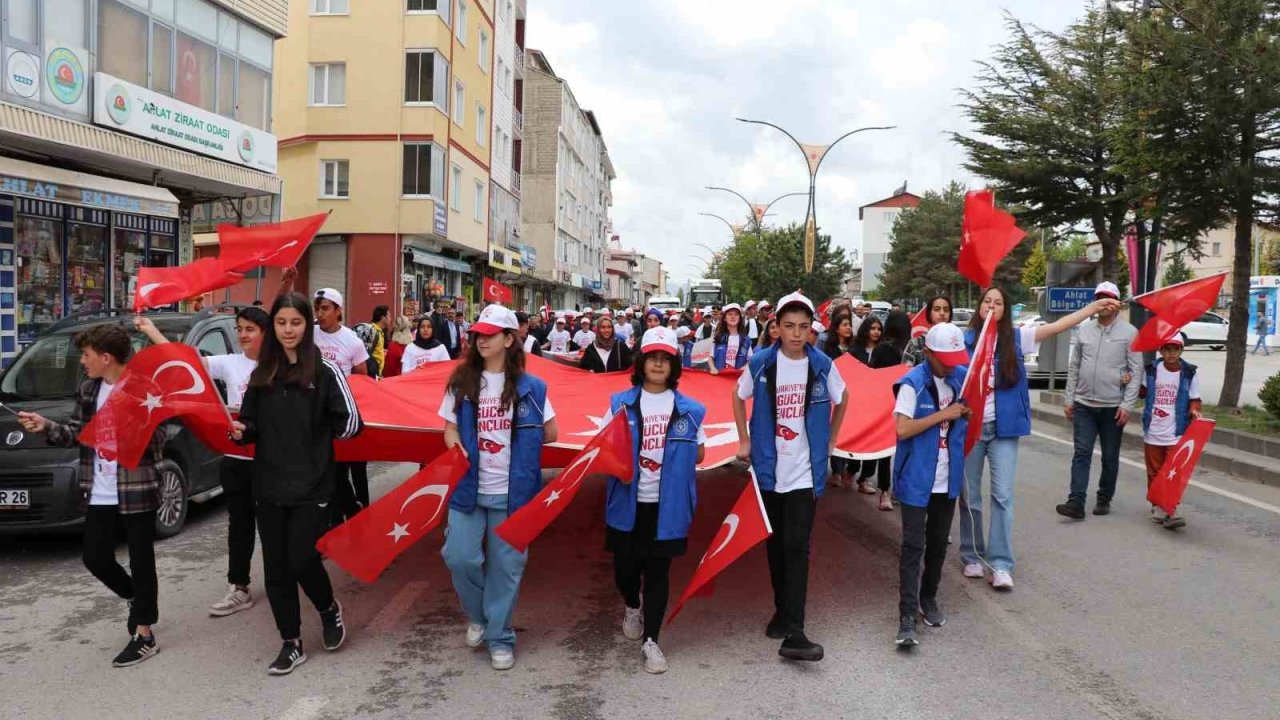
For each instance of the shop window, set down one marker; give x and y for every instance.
(197, 61)
(122, 42)
(86, 267)
(162, 251)
(39, 274)
(129, 251)
(255, 97)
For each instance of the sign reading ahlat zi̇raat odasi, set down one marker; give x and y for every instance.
(136, 110)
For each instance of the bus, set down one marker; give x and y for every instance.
(706, 291)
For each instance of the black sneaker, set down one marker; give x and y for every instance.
(778, 627)
(933, 617)
(907, 632)
(798, 647)
(1073, 509)
(334, 631)
(1102, 507)
(291, 656)
(140, 648)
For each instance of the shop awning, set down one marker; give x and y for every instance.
(77, 188)
(422, 257)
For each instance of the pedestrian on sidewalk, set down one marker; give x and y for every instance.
(1005, 418)
(799, 401)
(1170, 408)
(929, 465)
(117, 497)
(296, 405)
(487, 391)
(1103, 377)
(647, 516)
(1262, 326)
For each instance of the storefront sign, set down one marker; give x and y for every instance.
(529, 256)
(132, 109)
(441, 220)
(22, 74)
(253, 210)
(85, 196)
(377, 287)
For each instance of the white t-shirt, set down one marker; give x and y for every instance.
(656, 409)
(731, 350)
(794, 471)
(342, 347)
(494, 424)
(559, 340)
(623, 329)
(583, 338)
(234, 371)
(415, 357)
(1026, 338)
(530, 342)
(906, 405)
(1164, 401)
(104, 470)
(753, 328)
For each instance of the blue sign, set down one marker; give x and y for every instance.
(441, 220)
(597, 284)
(1064, 301)
(529, 256)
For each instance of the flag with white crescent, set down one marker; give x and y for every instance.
(241, 249)
(161, 286)
(1171, 482)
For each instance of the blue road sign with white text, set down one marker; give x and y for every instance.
(1068, 300)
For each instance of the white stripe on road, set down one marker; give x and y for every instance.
(304, 709)
(1210, 488)
(389, 615)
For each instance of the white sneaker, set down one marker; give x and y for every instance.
(654, 661)
(235, 601)
(1002, 580)
(1157, 515)
(973, 570)
(475, 634)
(632, 623)
(502, 658)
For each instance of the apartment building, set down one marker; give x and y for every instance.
(877, 220)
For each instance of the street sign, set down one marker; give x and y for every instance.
(1064, 301)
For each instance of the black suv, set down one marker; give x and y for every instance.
(39, 488)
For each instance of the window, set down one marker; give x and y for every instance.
(479, 207)
(460, 27)
(254, 99)
(440, 7)
(329, 84)
(455, 187)
(197, 64)
(213, 343)
(64, 22)
(483, 51)
(329, 7)
(459, 103)
(482, 124)
(1217, 249)
(426, 79)
(23, 22)
(423, 170)
(226, 85)
(161, 58)
(334, 178)
(122, 41)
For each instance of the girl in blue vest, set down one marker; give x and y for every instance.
(501, 417)
(732, 340)
(647, 516)
(1005, 418)
(684, 338)
(1172, 391)
(929, 467)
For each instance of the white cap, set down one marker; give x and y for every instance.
(560, 317)
(765, 304)
(329, 294)
(628, 311)
(683, 332)
(795, 298)
(1106, 288)
(731, 306)
(947, 343)
(659, 338)
(707, 310)
(494, 319)
(607, 312)
(817, 327)
(750, 304)
(587, 309)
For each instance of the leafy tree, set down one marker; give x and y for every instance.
(771, 264)
(1035, 272)
(1177, 271)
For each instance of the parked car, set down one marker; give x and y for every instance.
(40, 483)
(1208, 329)
(961, 316)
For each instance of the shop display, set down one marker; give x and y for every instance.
(86, 267)
(39, 274)
(129, 250)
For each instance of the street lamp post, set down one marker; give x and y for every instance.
(813, 155)
(757, 211)
(736, 230)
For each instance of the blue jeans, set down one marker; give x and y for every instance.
(997, 546)
(486, 570)
(1262, 343)
(1090, 424)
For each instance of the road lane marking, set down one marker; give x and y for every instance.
(304, 708)
(1210, 488)
(390, 614)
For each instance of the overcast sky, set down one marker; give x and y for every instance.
(666, 78)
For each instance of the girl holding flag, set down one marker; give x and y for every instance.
(732, 340)
(647, 515)
(1005, 418)
(501, 417)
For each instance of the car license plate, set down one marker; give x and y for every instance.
(15, 499)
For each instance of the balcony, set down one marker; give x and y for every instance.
(515, 182)
(518, 62)
(517, 120)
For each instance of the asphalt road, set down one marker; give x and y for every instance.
(1111, 618)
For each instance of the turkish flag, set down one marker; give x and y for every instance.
(159, 383)
(241, 249)
(987, 235)
(1171, 482)
(920, 322)
(608, 453)
(868, 433)
(977, 383)
(367, 543)
(496, 292)
(167, 285)
(824, 313)
(743, 528)
(1173, 307)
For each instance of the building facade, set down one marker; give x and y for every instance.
(507, 260)
(877, 233)
(118, 120)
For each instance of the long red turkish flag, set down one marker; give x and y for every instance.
(1174, 476)
(867, 433)
(977, 383)
(367, 543)
(743, 528)
(608, 453)
(164, 286)
(241, 249)
(987, 235)
(1173, 307)
(159, 383)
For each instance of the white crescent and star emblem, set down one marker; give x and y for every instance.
(153, 402)
(732, 521)
(438, 490)
(577, 471)
(146, 290)
(1175, 467)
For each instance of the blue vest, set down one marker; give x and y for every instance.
(722, 349)
(686, 354)
(1182, 408)
(916, 461)
(525, 476)
(764, 416)
(1013, 404)
(677, 487)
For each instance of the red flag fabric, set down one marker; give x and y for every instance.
(1174, 476)
(241, 249)
(868, 433)
(496, 292)
(1173, 307)
(163, 286)
(987, 235)
(609, 453)
(743, 528)
(159, 383)
(824, 313)
(977, 383)
(367, 543)
(920, 322)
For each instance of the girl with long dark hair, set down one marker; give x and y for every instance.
(840, 341)
(864, 343)
(939, 312)
(769, 334)
(605, 353)
(296, 405)
(732, 340)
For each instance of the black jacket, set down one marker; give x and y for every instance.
(886, 355)
(294, 429)
(619, 358)
(440, 331)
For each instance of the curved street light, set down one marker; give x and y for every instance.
(736, 230)
(756, 211)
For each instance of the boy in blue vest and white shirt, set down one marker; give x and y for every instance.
(799, 403)
(929, 471)
(1172, 391)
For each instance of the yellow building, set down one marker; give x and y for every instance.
(384, 110)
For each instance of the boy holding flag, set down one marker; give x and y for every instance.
(1172, 391)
